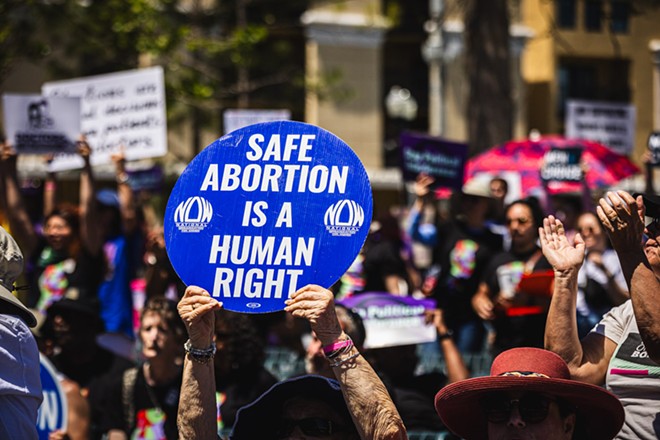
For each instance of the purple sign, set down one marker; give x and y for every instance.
(442, 159)
(391, 320)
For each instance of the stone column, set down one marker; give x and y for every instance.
(654, 47)
(346, 45)
(519, 35)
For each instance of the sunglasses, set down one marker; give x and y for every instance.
(312, 426)
(650, 221)
(533, 408)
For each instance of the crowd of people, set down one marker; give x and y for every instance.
(559, 295)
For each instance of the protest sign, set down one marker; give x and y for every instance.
(36, 124)
(146, 179)
(391, 320)
(442, 159)
(234, 119)
(124, 108)
(611, 124)
(265, 210)
(562, 165)
(654, 147)
(53, 411)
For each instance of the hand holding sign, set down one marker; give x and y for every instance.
(316, 305)
(266, 209)
(194, 310)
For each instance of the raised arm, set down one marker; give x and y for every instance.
(456, 369)
(12, 203)
(196, 417)
(426, 234)
(367, 399)
(623, 218)
(587, 360)
(127, 205)
(90, 233)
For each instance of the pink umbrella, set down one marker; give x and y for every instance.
(605, 167)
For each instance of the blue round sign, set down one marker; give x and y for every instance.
(53, 411)
(265, 210)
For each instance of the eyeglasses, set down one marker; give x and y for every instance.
(532, 407)
(312, 426)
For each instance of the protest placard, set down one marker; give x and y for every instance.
(265, 210)
(53, 411)
(442, 159)
(233, 119)
(391, 320)
(612, 124)
(562, 165)
(36, 124)
(123, 108)
(654, 147)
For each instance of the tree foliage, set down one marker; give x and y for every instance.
(213, 51)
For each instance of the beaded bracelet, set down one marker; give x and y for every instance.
(340, 362)
(200, 355)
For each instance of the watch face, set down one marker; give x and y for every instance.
(266, 210)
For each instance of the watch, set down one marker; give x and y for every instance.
(446, 335)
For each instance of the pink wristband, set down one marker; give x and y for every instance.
(337, 345)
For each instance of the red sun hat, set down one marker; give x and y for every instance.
(532, 370)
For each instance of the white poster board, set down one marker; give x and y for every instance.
(611, 124)
(36, 124)
(123, 108)
(234, 119)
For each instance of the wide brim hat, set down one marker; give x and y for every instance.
(477, 187)
(529, 370)
(258, 419)
(11, 266)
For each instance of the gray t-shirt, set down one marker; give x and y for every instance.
(631, 375)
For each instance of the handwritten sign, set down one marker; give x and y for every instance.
(265, 210)
(53, 411)
(36, 124)
(611, 124)
(391, 320)
(124, 108)
(442, 159)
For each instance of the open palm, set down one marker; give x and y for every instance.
(559, 252)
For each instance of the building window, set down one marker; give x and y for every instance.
(566, 14)
(620, 16)
(593, 15)
(592, 79)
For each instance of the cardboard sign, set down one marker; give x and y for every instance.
(53, 411)
(654, 147)
(391, 320)
(265, 210)
(124, 108)
(442, 159)
(234, 119)
(147, 179)
(611, 124)
(36, 124)
(562, 165)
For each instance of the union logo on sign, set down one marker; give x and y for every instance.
(193, 214)
(344, 218)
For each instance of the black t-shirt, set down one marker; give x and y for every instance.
(524, 324)
(462, 254)
(154, 409)
(382, 259)
(53, 275)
